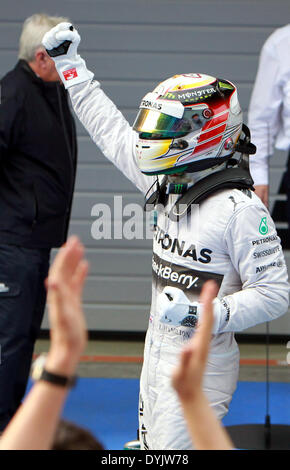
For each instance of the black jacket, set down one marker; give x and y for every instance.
(37, 160)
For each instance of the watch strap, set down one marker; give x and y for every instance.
(57, 379)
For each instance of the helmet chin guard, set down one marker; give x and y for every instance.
(189, 123)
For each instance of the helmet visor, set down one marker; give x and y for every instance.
(151, 124)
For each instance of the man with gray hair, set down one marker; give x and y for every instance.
(37, 175)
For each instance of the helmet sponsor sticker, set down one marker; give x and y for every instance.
(190, 96)
(172, 108)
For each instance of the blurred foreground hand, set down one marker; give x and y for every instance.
(65, 285)
(205, 430)
(34, 424)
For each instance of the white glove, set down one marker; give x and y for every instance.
(174, 308)
(69, 64)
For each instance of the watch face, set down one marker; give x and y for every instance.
(38, 366)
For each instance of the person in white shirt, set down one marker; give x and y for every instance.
(269, 110)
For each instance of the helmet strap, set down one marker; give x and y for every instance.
(245, 145)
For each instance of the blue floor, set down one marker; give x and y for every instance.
(249, 404)
(108, 407)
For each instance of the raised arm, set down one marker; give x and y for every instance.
(104, 122)
(33, 426)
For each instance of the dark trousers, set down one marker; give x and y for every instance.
(22, 304)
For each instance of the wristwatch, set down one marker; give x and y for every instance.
(40, 373)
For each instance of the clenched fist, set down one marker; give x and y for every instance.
(61, 43)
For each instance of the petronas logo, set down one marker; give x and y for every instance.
(263, 228)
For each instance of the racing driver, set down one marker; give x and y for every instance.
(190, 145)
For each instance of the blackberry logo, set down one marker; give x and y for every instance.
(186, 279)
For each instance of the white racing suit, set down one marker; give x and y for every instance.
(232, 239)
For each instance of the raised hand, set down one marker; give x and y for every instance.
(67, 322)
(61, 43)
